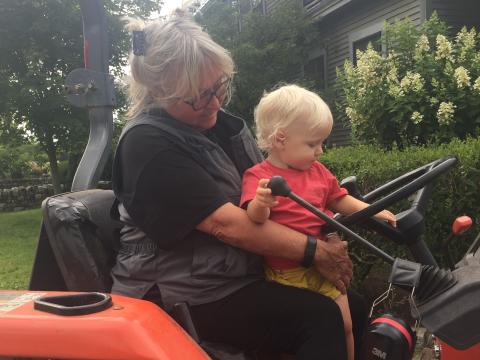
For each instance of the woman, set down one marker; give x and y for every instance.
(177, 176)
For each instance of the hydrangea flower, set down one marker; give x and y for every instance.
(445, 113)
(352, 115)
(412, 82)
(422, 46)
(466, 42)
(395, 91)
(444, 48)
(476, 85)
(416, 117)
(367, 65)
(462, 77)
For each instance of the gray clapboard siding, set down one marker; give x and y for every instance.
(338, 30)
(343, 21)
(457, 13)
(348, 21)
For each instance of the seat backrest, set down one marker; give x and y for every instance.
(83, 237)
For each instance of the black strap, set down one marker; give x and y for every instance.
(309, 254)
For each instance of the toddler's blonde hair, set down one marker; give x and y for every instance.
(284, 107)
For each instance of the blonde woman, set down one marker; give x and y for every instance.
(177, 177)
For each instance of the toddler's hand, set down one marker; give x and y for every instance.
(264, 197)
(387, 216)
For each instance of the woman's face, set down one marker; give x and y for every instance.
(201, 112)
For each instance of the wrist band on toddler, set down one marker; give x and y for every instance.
(309, 253)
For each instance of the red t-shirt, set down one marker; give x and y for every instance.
(317, 185)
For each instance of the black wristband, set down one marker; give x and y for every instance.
(310, 249)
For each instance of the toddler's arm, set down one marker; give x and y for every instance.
(347, 205)
(258, 209)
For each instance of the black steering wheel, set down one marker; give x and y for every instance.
(410, 223)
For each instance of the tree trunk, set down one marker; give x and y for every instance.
(52, 159)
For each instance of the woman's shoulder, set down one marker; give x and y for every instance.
(144, 142)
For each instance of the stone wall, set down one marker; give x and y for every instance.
(20, 198)
(24, 197)
(11, 183)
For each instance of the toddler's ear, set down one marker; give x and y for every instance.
(280, 137)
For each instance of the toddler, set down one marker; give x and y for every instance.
(292, 124)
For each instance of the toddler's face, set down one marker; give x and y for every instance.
(301, 147)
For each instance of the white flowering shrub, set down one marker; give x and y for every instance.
(425, 89)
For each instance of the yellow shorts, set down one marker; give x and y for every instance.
(303, 278)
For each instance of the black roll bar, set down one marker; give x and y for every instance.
(92, 87)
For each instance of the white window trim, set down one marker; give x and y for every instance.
(357, 35)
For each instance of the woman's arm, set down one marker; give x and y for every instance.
(231, 225)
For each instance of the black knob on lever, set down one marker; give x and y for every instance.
(279, 186)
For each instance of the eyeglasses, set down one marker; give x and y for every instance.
(219, 90)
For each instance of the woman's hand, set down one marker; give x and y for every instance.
(333, 263)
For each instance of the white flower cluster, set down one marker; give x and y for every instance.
(416, 117)
(367, 64)
(352, 115)
(394, 88)
(476, 85)
(466, 42)
(445, 113)
(462, 77)
(412, 82)
(422, 46)
(444, 48)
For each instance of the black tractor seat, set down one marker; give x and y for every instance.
(77, 248)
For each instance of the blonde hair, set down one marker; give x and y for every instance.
(286, 106)
(177, 53)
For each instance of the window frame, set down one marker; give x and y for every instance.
(363, 33)
(314, 54)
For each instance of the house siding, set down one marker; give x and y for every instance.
(337, 30)
(456, 13)
(271, 5)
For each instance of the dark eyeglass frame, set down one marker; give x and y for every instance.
(206, 96)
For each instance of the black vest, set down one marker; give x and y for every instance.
(202, 268)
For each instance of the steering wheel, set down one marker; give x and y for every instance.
(410, 223)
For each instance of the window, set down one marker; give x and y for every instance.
(314, 70)
(362, 44)
(360, 39)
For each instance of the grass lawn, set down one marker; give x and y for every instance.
(18, 238)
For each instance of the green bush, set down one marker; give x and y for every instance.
(455, 193)
(22, 161)
(425, 89)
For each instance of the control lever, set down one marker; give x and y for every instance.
(279, 187)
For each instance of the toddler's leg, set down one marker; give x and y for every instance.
(342, 302)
